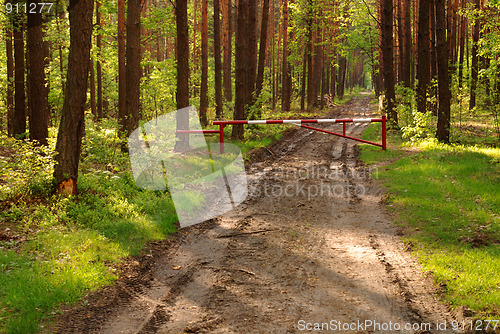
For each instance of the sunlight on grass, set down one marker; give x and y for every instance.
(69, 246)
(448, 197)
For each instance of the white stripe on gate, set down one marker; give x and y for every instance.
(362, 120)
(257, 122)
(292, 121)
(326, 120)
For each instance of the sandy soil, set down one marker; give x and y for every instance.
(311, 248)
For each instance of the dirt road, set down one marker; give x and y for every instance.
(312, 249)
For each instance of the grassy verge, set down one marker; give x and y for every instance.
(448, 199)
(53, 249)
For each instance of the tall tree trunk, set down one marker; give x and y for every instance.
(475, 60)
(241, 44)
(462, 31)
(98, 63)
(182, 94)
(278, 63)
(122, 91)
(433, 57)
(19, 93)
(453, 44)
(285, 96)
(309, 48)
(423, 68)
(252, 50)
(195, 29)
(416, 8)
(246, 47)
(218, 65)
(400, 39)
(387, 44)
(380, 82)
(10, 80)
(133, 66)
(317, 65)
(204, 63)
(72, 128)
(443, 122)
(273, 53)
(406, 70)
(227, 41)
(262, 47)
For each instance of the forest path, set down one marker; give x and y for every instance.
(312, 244)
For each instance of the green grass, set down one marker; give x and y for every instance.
(448, 198)
(66, 247)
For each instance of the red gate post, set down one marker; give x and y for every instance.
(221, 137)
(343, 123)
(384, 133)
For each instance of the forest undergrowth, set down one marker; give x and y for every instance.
(447, 199)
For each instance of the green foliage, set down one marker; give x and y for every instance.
(414, 124)
(26, 170)
(69, 246)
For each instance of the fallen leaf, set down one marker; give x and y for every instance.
(176, 267)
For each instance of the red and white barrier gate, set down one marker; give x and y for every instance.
(301, 122)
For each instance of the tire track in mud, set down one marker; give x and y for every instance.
(292, 251)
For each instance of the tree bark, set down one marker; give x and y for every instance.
(121, 66)
(309, 48)
(462, 30)
(406, 70)
(204, 63)
(217, 59)
(133, 66)
(400, 39)
(432, 105)
(423, 68)
(182, 94)
(10, 80)
(19, 124)
(244, 55)
(71, 128)
(252, 50)
(227, 41)
(387, 43)
(285, 92)
(475, 60)
(443, 121)
(262, 47)
(98, 63)
(317, 65)
(195, 28)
